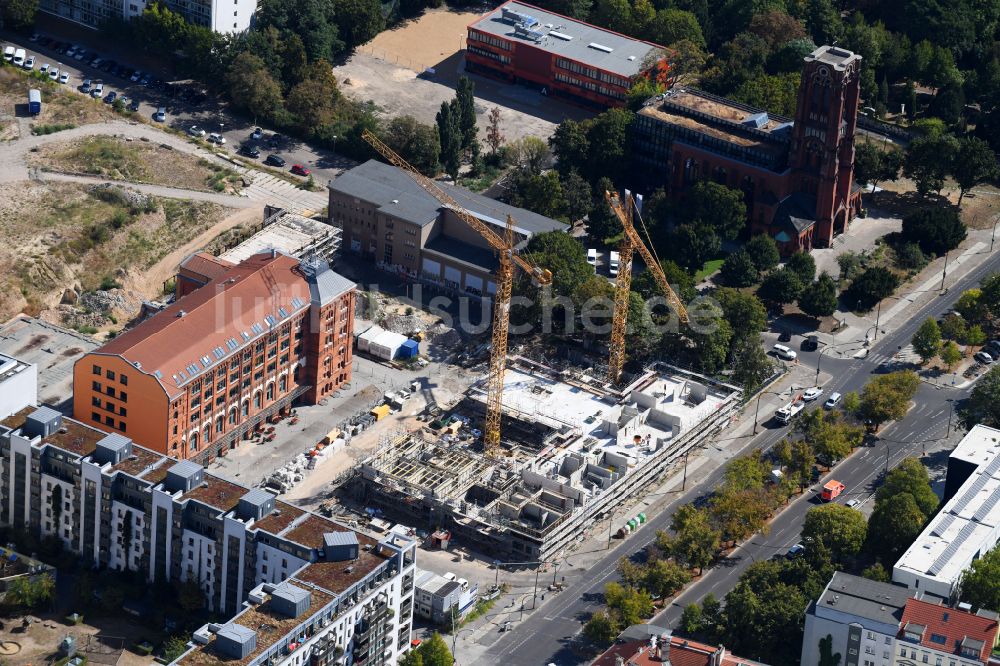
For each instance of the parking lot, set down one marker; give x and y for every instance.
(184, 104)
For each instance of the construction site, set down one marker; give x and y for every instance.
(573, 448)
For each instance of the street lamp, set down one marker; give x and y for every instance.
(757, 408)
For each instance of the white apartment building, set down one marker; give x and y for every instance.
(223, 16)
(18, 385)
(298, 586)
(966, 527)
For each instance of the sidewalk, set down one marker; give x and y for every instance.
(916, 293)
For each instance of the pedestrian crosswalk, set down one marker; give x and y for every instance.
(906, 355)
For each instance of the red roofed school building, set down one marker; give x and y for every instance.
(797, 175)
(241, 343)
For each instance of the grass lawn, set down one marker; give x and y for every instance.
(710, 267)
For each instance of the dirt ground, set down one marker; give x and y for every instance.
(133, 161)
(391, 70)
(39, 643)
(59, 105)
(50, 230)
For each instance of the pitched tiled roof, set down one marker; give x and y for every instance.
(206, 265)
(951, 625)
(207, 326)
(683, 652)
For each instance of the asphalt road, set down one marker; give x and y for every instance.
(550, 635)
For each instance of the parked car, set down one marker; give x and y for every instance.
(194, 130)
(29, 64)
(798, 550)
(97, 91)
(275, 160)
(257, 134)
(784, 353)
(85, 86)
(983, 357)
(833, 400)
(853, 503)
(811, 394)
(811, 343)
(250, 151)
(993, 347)
(54, 73)
(299, 170)
(160, 115)
(44, 68)
(134, 106)
(215, 137)
(136, 75)
(110, 97)
(785, 336)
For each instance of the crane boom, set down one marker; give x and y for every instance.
(631, 240)
(540, 275)
(501, 299)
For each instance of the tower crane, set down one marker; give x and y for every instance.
(504, 246)
(631, 242)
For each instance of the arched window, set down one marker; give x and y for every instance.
(194, 441)
(270, 391)
(246, 408)
(207, 434)
(232, 416)
(283, 383)
(257, 400)
(219, 424)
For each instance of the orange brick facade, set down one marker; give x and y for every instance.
(227, 372)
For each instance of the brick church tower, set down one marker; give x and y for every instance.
(822, 150)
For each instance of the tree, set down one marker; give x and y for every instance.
(803, 265)
(691, 245)
(983, 404)
(570, 145)
(745, 472)
(664, 577)
(872, 165)
(981, 581)
(19, 15)
(827, 657)
(819, 298)
(579, 199)
(720, 207)
(971, 306)
(601, 628)
(738, 270)
(849, 264)
(910, 477)
(313, 101)
(937, 229)
(776, 27)
(529, 153)
(696, 542)
(744, 311)
(358, 21)
(673, 25)
(876, 572)
(928, 160)
(953, 327)
(852, 402)
(251, 87)
(415, 142)
(975, 163)
(465, 96)
(775, 93)
(739, 513)
(608, 155)
(174, 647)
(691, 620)
(893, 526)
(870, 287)
(751, 364)
(764, 612)
(450, 137)
(763, 252)
(840, 528)
(887, 397)
(602, 223)
(538, 192)
(432, 651)
(630, 605)
(927, 340)
(30, 591)
(494, 134)
(780, 287)
(190, 597)
(950, 354)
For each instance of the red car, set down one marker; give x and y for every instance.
(300, 170)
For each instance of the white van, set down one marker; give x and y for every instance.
(613, 264)
(19, 56)
(784, 353)
(8, 53)
(592, 256)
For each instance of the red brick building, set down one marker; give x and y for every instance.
(796, 174)
(563, 57)
(241, 343)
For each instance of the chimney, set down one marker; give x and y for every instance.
(663, 648)
(718, 656)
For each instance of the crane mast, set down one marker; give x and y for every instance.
(504, 246)
(632, 241)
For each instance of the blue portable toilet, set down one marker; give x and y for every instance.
(409, 349)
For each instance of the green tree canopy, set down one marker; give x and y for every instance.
(910, 476)
(819, 298)
(839, 528)
(718, 206)
(869, 287)
(975, 163)
(415, 142)
(983, 404)
(887, 397)
(763, 252)
(465, 96)
(893, 526)
(936, 229)
(872, 165)
(928, 161)
(738, 270)
(696, 541)
(981, 582)
(927, 340)
(251, 87)
(803, 265)
(780, 287)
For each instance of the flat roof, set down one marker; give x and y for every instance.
(967, 524)
(284, 514)
(881, 602)
(53, 349)
(570, 38)
(397, 194)
(289, 235)
(216, 493)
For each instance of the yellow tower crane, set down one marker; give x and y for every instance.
(632, 241)
(504, 246)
